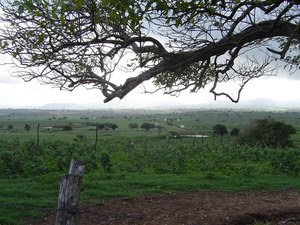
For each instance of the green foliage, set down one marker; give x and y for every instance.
(151, 165)
(26, 159)
(10, 127)
(11, 163)
(67, 128)
(133, 125)
(267, 132)
(235, 132)
(105, 161)
(287, 161)
(147, 126)
(106, 126)
(111, 126)
(220, 130)
(27, 127)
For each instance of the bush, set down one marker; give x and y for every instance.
(235, 132)
(220, 130)
(268, 133)
(105, 161)
(133, 126)
(106, 126)
(67, 128)
(287, 162)
(147, 126)
(12, 162)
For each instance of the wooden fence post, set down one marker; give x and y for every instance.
(68, 198)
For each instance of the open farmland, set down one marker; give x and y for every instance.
(128, 162)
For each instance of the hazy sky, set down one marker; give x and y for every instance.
(14, 92)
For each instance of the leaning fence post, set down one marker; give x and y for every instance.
(68, 198)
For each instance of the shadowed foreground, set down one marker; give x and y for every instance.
(191, 208)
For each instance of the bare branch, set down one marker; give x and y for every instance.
(184, 44)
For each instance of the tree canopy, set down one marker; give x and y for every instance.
(147, 126)
(27, 127)
(219, 129)
(178, 45)
(133, 125)
(267, 132)
(234, 132)
(106, 126)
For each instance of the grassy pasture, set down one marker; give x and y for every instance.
(29, 176)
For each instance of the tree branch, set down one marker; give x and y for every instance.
(263, 30)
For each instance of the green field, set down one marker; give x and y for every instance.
(131, 162)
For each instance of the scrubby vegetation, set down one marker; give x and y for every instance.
(168, 159)
(268, 133)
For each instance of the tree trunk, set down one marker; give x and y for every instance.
(96, 140)
(37, 137)
(68, 199)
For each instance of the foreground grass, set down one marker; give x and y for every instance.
(155, 164)
(30, 197)
(25, 197)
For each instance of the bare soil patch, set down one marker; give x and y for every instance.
(191, 208)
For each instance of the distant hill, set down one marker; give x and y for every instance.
(254, 104)
(56, 106)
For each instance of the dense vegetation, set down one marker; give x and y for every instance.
(268, 132)
(130, 160)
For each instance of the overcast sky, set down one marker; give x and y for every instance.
(16, 93)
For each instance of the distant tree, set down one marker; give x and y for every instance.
(106, 126)
(99, 126)
(268, 132)
(234, 132)
(219, 130)
(133, 126)
(10, 127)
(110, 126)
(147, 126)
(27, 127)
(67, 128)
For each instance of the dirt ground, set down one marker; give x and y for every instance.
(192, 208)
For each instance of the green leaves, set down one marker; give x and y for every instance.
(22, 6)
(79, 3)
(41, 38)
(16, 52)
(21, 9)
(268, 132)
